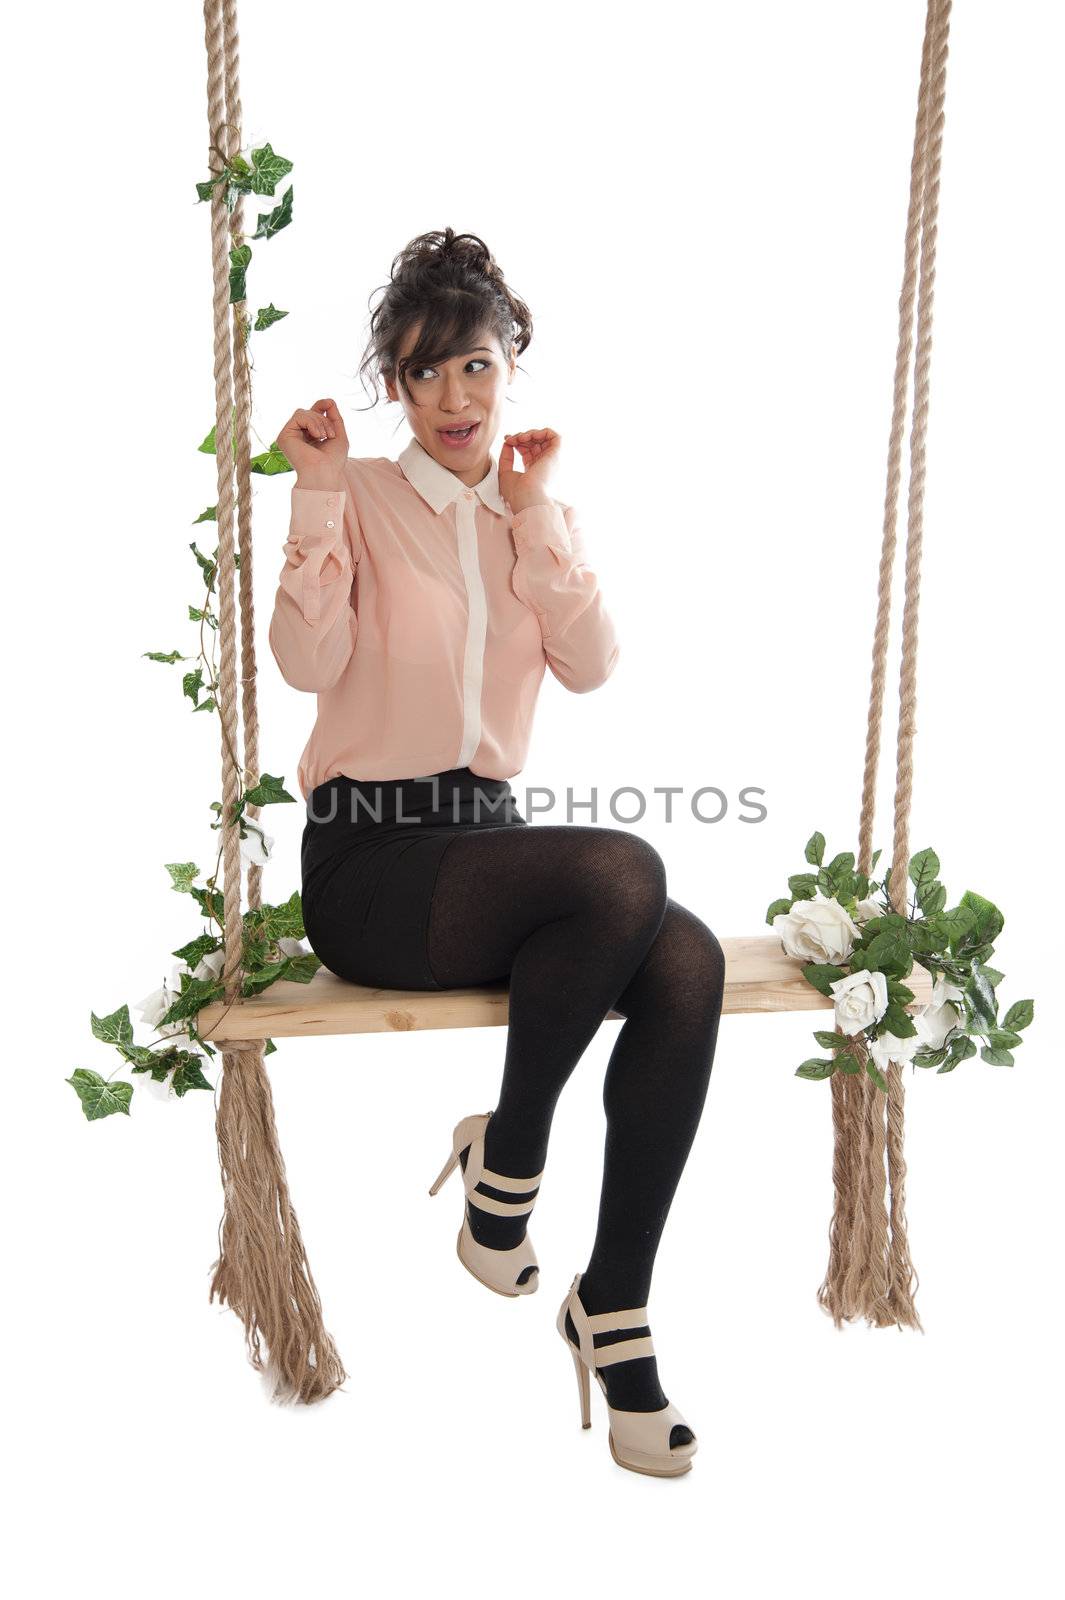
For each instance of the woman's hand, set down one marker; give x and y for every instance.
(539, 449)
(316, 442)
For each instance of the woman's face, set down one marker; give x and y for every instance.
(468, 390)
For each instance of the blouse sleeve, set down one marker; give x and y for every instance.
(552, 577)
(314, 623)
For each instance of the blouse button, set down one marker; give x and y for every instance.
(469, 494)
(330, 524)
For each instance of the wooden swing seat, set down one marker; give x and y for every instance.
(759, 977)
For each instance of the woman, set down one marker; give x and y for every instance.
(422, 600)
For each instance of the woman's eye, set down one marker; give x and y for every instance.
(474, 361)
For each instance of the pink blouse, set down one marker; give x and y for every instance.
(422, 613)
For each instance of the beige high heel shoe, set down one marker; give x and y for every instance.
(500, 1270)
(639, 1440)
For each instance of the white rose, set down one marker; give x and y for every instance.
(156, 1005)
(816, 930)
(210, 966)
(889, 1047)
(865, 910)
(861, 999)
(942, 992)
(292, 947)
(258, 847)
(936, 1020)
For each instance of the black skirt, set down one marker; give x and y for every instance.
(370, 854)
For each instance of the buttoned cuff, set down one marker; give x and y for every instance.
(540, 525)
(316, 547)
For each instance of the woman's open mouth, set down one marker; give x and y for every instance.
(457, 438)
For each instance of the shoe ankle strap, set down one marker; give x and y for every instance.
(501, 1208)
(624, 1350)
(498, 1180)
(610, 1321)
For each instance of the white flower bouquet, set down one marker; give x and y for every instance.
(857, 950)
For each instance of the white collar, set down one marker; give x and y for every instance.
(438, 486)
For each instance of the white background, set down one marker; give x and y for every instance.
(705, 211)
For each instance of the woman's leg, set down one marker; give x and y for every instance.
(580, 920)
(567, 913)
(654, 1091)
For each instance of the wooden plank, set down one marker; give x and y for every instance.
(759, 977)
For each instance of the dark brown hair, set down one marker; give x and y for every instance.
(450, 283)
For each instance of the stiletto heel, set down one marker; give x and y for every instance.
(584, 1385)
(639, 1440)
(508, 1272)
(445, 1172)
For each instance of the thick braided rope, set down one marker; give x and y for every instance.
(242, 432)
(262, 1271)
(907, 301)
(903, 1277)
(869, 1272)
(222, 136)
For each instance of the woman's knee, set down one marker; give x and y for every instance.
(685, 966)
(628, 878)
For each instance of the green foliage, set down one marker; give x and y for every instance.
(172, 1058)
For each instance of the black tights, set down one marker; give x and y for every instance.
(580, 921)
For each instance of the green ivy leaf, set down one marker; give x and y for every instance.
(1019, 1014)
(889, 953)
(168, 656)
(981, 998)
(195, 994)
(273, 922)
(193, 953)
(821, 975)
(815, 1069)
(211, 902)
(100, 1098)
(931, 898)
(988, 919)
(841, 864)
(1004, 1039)
(898, 1022)
(115, 1028)
(260, 978)
(777, 909)
(301, 969)
(271, 222)
(271, 462)
(267, 792)
(182, 872)
(875, 1073)
(815, 849)
(266, 316)
(192, 683)
(187, 1075)
(268, 168)
(803, 885)
(924, 869)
